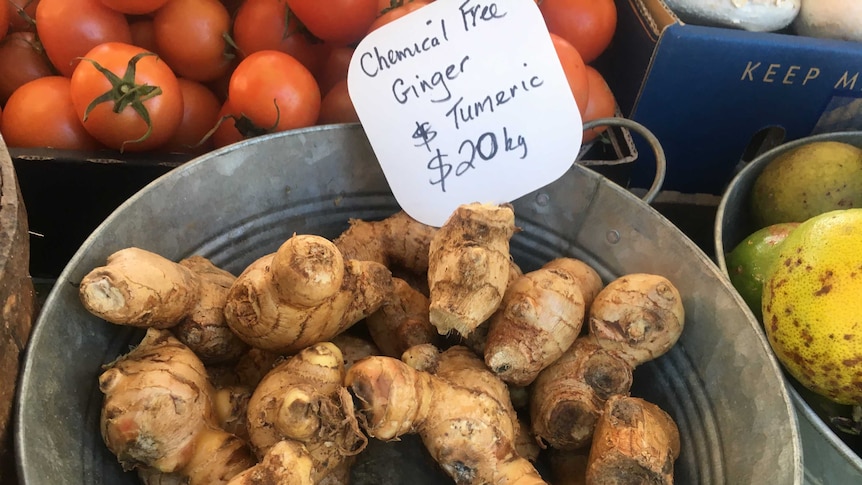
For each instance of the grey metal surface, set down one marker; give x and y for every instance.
(827, 458)
(720, 382)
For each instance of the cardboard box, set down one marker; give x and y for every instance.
(716, 96)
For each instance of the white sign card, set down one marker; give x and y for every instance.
(465, 101)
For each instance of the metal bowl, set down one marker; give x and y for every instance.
(827, 457)
(720, 383)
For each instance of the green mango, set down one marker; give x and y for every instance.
(748, 263)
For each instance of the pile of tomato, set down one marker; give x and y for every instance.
(188, 76)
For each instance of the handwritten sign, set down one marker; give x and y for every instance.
(465, 101)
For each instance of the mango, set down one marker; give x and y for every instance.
(748, 262)
(811, 305)
(808, 180)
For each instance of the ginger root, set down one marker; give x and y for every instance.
(542, 313)
(639, 315)
(303, 399)
(231, 408)
(466, 432)
(140, 288)
(478, 337)
(302, 294)
(151, 476)
(158, 413)
(354, 348)
(567, 397)
(468, 266)
(635, 442)
(397, 241)
(461, 367)
(204, 328)
(402, 321)
(634, 318)
(287, 462)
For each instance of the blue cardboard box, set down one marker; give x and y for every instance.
(716, 96)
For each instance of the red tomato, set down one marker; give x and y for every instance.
(396, 13)
(334, 67)
(135, 7)
(337, 107)
(200, 113)
(21, 60)
(1, 120)
(602, 103)
(220, 84)
(143, 34)
(588, 25)
(190, 35)
(4, 21)
(575, 70)
(275, 91)
(266, 25)
(226, 132)
(336, 21)
(127, 129)
(40, 114)
(70, 28)
(22, 15)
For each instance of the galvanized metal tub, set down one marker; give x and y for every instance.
(828, 459)
(720, 382)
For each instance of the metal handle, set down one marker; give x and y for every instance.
(660, 161)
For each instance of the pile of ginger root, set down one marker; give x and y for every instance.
(284, 373)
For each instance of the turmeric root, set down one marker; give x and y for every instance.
(303, 399)
(287, 462)
(397, 241)
(468, 266)
(402, 321)
(541, 315)
(635, 442)
(158, 413)
(639, 315)
(465, 431)
(302, 294)
(568, 396)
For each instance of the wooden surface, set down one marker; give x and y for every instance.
(17, 301)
